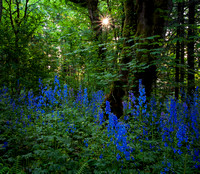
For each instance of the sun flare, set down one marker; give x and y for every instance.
(105, 21)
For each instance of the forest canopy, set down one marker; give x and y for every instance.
(159, 45)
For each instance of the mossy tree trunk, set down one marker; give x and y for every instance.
(151, 23)
(128, 31)
(120, 87)
(143, 18)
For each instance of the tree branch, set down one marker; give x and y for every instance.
(11, 18)
(26, 7)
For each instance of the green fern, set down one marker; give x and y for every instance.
(3, 169)
(15, 169)
(81, 170)
(16, 166)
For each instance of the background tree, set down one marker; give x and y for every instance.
(94, 15)
(150, 28)
(181, 6)
(190, 47)
(23, 56)
(180, 39)
(179, 76)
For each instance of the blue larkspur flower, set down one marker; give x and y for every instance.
(108, 110)
(86, 143)
(142, 97)
(112, 122)
(101, 156)
(85, 98)
(56, 81)
(5, 144)
(118, 157)
(101, 117)
(182, 134)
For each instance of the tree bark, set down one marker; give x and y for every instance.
(128, 31)
(190, 48)
(94, 17)
(151, 22)
(178, 50)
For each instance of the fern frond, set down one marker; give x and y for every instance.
(17, 167)
(81, 170)
(3, 169)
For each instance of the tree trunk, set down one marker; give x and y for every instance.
(128, 31)
(177, 70)
(94, 17)
(151, 22)
(190, 48)
(178, 50)
(120, 87)
(182, 70)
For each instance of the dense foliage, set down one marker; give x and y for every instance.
(78, 95)
(62, 131)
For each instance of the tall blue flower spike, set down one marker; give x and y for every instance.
(85, 98)
(108, 109)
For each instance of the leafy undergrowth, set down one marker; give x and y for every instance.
(60, 131)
